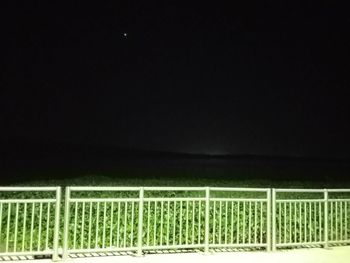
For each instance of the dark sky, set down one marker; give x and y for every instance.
(263, 78)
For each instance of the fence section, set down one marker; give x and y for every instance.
(239, 217)
(137, 219)
(154, 218)
(96, 221)
(338, 214)
(320, 217)
(299, 221)
(29, 221)
(173, 217)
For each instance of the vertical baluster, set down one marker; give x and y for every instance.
(226, 203)
(237, 230)
(0, 221)
(90, 219)
(168, 224)
(125, 221)
(214, 221)
(155, 224)
(243, 232)
(186, 233)
(279, 223)
(305, 225)
(161, 222)
(300, 223)
(75, 225)
(341, 220)
(180, 240)
(140, 224)
(310, 222)
(111, 227)
(32, 227)
(148, 220)
(346, 220)
(262, 222)
(118, 223)
(249, 222)
(290, 222)
(207, 220)
(315, 222)
(47, 226)
(104, 225)
(97, 223)
(285, 222)
(326, 218)
(82, 226)
(16, 229)
(40, 222)
(174, 223)
(331, 220)
(295, 222)
(199, 221)
(24, 224)
(132, 224)
(336, 221)
(220, 220)
(193, 218)
(8, 227)
(320, 221)
(255, 221)
(232, 222)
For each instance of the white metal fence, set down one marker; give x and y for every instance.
(138, 219)
(321, 219)
(29, 225)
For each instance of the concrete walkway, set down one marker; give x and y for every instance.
(312, 255)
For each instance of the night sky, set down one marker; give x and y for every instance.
(263, 79)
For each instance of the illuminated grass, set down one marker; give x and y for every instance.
(213, 177)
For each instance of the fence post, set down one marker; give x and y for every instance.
(325, 218)
(66, 223)
(57, 224)
(268, 221)
(207, 203)
(273, 216)
(140, 225)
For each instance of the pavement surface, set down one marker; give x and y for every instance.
(312, 255)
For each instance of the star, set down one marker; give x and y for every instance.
(125, 34)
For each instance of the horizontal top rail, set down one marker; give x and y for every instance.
(27, 201)
(176, 188)
(286, 190)
(173, 199)
(239, 189)
(239, 199)
(99, 200)
(167, 188)
(104, 188)
(299, 200)
(31, 188)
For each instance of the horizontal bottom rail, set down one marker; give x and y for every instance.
(237, 245)
(28, 253)
(102, 250)
(173, 247)
(300, 244)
